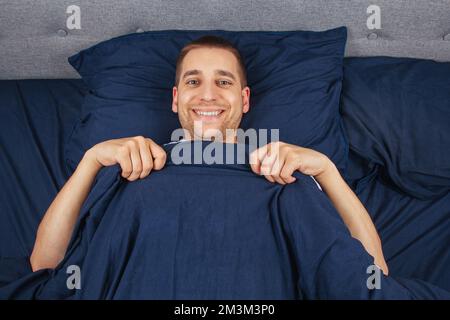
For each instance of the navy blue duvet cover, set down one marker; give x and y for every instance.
(199, 231)
(36, 118)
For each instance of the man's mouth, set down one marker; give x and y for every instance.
(208, 114)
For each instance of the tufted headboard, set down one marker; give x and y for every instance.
(37, 36)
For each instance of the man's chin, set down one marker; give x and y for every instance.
(212, 134)
(210, 131)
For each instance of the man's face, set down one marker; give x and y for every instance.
(209, 93)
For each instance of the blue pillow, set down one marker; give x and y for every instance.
(295, 79)
(397, 115)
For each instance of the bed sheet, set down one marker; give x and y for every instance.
(36, 118)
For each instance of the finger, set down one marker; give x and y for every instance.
(276, 169)
(158, 154)
(136, 160)
(285, 162)
(256, 158)
(146, 157)
(124, 160)
(255, 163)
(288, 169)
(269, 178)
(268, 162)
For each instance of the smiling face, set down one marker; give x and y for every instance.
(210, 93)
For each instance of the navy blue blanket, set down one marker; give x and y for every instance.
(203, 231)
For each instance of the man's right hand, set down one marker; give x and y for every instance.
(137, 156)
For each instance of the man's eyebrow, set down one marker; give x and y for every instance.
(191, 73)
(221, 72)
(226, 74)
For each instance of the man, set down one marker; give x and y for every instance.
(211, 89)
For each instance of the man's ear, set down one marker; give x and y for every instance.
(175, 99)
(245, 99)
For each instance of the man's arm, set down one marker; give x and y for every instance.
(56, 227)
(136, 156)
(353, 212)
(277, 161)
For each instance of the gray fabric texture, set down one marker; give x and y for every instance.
(35, 40)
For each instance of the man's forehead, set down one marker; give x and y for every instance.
(202, 59)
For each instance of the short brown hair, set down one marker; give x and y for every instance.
(211, 42)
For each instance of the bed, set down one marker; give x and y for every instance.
(42, 96)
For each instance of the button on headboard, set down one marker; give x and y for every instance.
(37, 36)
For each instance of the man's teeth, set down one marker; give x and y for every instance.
(208, 113)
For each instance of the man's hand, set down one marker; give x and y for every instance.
(137, 156)
(277, 161)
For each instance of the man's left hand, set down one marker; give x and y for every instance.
(277, 161)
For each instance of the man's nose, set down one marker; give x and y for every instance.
(208, 92)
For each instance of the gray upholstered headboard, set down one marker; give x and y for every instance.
(37, 36)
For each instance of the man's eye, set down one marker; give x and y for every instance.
(191, 82)
(224, 82)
